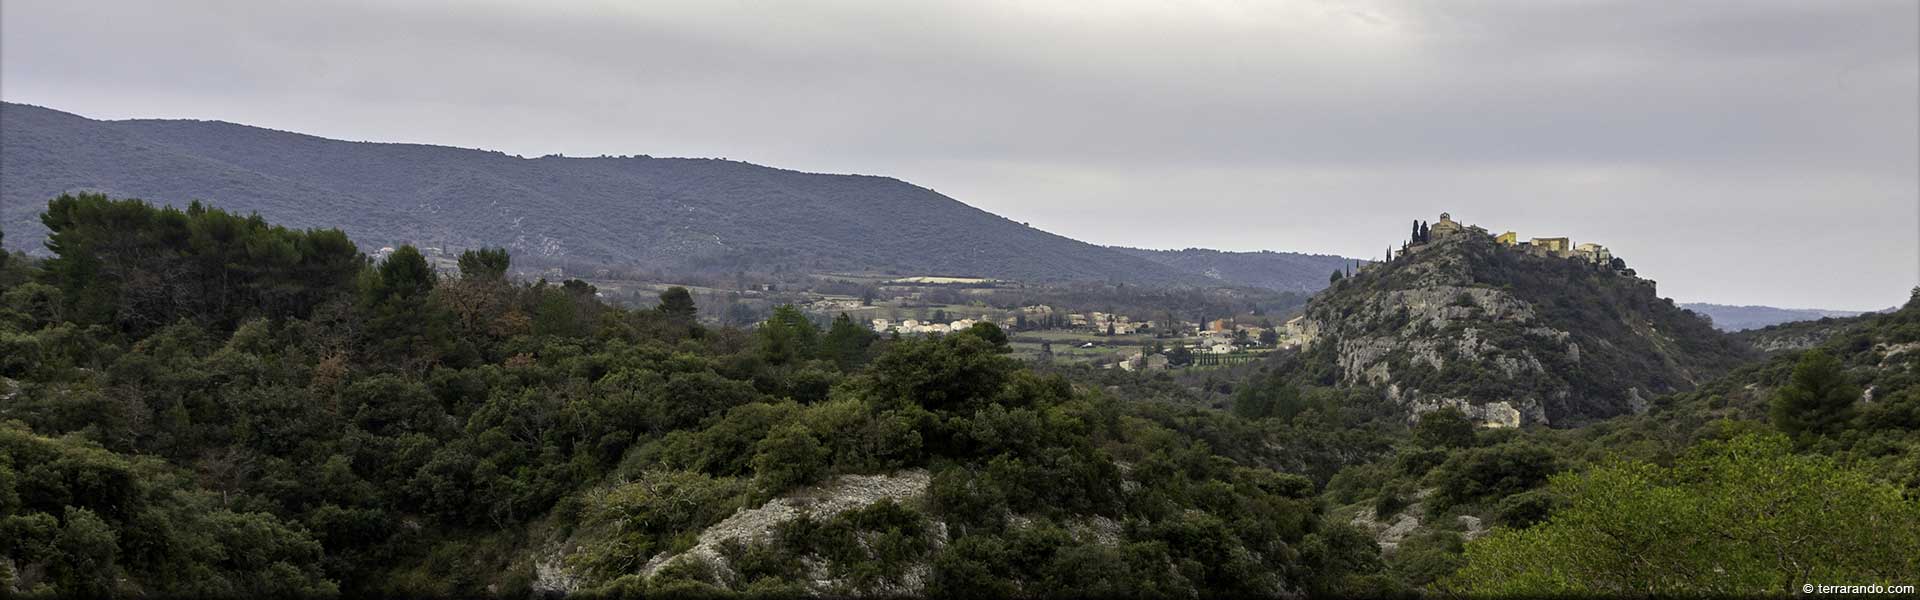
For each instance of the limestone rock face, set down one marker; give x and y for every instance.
(1501, 414)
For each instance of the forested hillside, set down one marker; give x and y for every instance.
(665, 213)
(194, 403)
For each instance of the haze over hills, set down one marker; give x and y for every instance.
(669, 213)
(1278, 271)
(1742, 318)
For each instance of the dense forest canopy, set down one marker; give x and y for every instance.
(198, 403)
(194, 403)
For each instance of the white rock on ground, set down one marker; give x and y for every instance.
(843, 493)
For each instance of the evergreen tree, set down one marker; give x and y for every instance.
(404, 275)
(485, 263)
(677, 304)
(402, 323)
(992, 334)
(138, 267)
(1267, 401)
(846, 343)
(1817, 399)
(787, 336)
(1444, 428)
(1180, 355)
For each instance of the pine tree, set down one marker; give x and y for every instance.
(846, 343)
(677, 303)
(787, 336)
(1818, 399)
(485, 263)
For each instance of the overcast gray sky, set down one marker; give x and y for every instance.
(1748, 151)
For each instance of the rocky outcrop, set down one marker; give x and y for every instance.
(1510, 338)
(1388, 532)
(552, 576)
(1428, 328)
(844, 493)
(1503, 413)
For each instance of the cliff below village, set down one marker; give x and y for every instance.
(1512, 333)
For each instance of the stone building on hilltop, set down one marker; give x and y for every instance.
(1444, 227)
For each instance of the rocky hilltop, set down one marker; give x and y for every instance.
(1512, 333)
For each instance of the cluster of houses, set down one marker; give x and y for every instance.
(1555, 246)
(921, 327)
(1220, 337)
(1097, 322)
(1106, 323)
(1217, 337)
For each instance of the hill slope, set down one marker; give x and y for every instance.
(1511, 335)
(670, 213)
(1878, 359)
(1278, 271)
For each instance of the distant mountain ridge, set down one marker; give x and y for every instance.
(1742, 318)
(674, 213)
(1278, 271)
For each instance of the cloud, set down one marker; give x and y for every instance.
(1696, 138)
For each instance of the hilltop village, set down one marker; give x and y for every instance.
(1555, 247)
(1425, 237)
